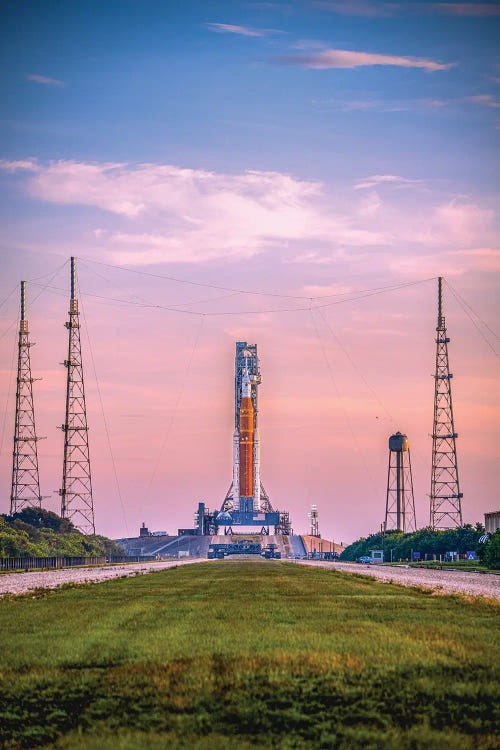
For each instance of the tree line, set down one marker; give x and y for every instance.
(34, 532)
(429, 543)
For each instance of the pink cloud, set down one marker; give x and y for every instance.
(168, 213)
(463, 223)
(481, 258)
(380, 179)
(485, 100)
(340, 58)
(228, 28)
(25, 165)
(45, 81)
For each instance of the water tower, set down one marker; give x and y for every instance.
(400, 503)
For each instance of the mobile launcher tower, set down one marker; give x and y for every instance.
(246, 502)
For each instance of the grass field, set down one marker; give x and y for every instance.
(234, 655)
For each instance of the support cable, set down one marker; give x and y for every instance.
(104, 417)
(11, 377)
(244, 291)
(470, 312)
(355, 367)
(176, 406)
(341, 401)
(7, 298)
(141, 301)
(170, 308)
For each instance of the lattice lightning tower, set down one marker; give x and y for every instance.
(76, 494)
(25, 491)
(445, 498)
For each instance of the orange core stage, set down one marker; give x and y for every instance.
(246, 447)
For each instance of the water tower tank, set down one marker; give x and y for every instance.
(398, 443)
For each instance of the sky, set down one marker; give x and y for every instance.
(293, 174)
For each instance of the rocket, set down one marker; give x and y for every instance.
(246, 447)
(246, 443)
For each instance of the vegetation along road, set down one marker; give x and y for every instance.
(21, 583)
(441, 581)
(236, 654)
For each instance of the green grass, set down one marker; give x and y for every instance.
(475, 565)
(233, 655)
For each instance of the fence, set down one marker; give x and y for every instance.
(36, 563)
(42, 563)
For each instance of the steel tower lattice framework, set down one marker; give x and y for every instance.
(445, 497)
(25, 489)
(76, 494)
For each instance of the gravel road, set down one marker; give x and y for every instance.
(20, 583)
(443, 581)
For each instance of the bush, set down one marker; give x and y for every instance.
(427, 541)
(490, 554)
(35, 532)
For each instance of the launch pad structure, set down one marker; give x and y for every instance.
(246, 503)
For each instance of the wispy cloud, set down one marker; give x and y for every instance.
(229, 28)
(486, 258)
(342, 58)
(24, 165)
(406, 105)
(378, 8)
(381, 105)
(45, 81)
(366, 8)
(467, 9)
(485, 100)
(379, 179)
(162, 213)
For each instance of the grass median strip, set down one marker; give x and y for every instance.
(248, 654)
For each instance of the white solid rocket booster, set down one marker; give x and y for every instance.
(256, 470)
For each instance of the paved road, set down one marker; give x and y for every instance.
(20, 583)
(443, 581)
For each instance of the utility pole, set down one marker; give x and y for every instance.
(76, 493)
(25, 489)
(445, 497)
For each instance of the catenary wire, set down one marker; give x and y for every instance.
(141, 301)
(171, 308)
(468, 310)
(339, 397)
(105, 420)
(7, 298)
(355, 367)
(174, 411)
(232, 289)
(9, 389)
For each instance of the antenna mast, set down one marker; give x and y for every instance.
(445, 498)
(76, 494)
(25, 491)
